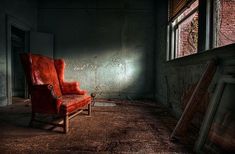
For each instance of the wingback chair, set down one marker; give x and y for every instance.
(50, 94)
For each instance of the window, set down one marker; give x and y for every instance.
(224, 21)
(184, 32)
(193, 26)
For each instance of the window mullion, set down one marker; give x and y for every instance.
(203, 27)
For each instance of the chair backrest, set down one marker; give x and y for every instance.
(40, 70)
(60, 66)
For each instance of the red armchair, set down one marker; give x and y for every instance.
(50, 94)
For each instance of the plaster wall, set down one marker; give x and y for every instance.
(25, 11)
(108, 46)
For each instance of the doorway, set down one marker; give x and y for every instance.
(18, 43)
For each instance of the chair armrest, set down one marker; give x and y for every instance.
(44, 99)
(72, 88)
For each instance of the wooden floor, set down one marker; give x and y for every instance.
(121, 127)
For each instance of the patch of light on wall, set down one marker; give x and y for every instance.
(109, 71)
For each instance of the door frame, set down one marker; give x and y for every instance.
(12, 21)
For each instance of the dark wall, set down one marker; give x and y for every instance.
(108, 45)
(175, 76)
(24, 11)
(160, 50)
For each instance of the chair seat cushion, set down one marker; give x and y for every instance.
(71, 103)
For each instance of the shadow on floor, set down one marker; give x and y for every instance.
(126, 127)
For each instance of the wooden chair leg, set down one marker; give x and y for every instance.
(89, 109)
(32, 119)
(66, 123)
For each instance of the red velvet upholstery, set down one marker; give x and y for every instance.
(44, 72)
(69, 102)
(41, 95)
(49, 92)
(66, 87)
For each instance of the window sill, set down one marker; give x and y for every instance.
(225, 52)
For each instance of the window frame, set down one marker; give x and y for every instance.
(173, 32)
(206, 29)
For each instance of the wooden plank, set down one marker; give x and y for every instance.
(187, 95)
(194, 101)
(210, 114)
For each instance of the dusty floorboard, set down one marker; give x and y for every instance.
(128, 127)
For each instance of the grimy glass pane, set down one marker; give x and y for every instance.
(224, 22)
(187, 38)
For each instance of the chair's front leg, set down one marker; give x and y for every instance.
(66, 123)
(89, 109)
